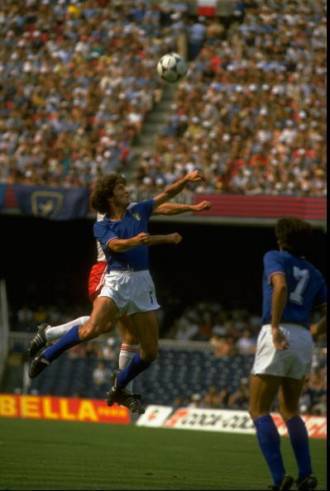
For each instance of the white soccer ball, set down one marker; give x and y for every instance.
(171, 67)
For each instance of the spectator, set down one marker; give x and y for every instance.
(251, 112)
(101, 379)
(77, 82)
(240, 398)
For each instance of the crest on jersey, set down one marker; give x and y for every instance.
(137, 216)
(46, 203)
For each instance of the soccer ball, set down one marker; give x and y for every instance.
(171, 67)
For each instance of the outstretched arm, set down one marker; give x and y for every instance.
(178, 208)
(122, 245)
(175, 188)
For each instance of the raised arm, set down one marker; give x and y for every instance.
(122, 245)
(178, 208)
(175, 188)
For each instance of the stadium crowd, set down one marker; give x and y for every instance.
(251, 112)
(78, 78)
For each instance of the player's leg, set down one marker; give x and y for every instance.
(47, 333)
(104, 311)
(129, 346)
(145, 325)
(289, 395)
(263, 390)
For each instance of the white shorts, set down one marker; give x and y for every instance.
(294, 362)
(132, 291)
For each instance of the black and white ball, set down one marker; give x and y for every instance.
(171, 67)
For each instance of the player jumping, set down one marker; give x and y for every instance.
(128, 288)
(48, 334)
(292, 287)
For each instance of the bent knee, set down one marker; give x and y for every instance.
(91, 330)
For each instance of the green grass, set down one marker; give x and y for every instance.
(61, 455)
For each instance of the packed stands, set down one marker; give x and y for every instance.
(79, 77)
(251, 113)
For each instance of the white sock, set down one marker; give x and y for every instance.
(55, 332)
(126, 354)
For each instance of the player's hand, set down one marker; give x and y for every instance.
(175, 238)
(203, 205)
(195, 176)
(280, 341)
(142, 238)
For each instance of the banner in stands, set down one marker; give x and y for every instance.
(222, 420)
(260, 206)
(3, 188)
(53, 203)
(206, 8)
(62, 409)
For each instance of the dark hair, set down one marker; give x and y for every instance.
(293, 235)
(103, 191)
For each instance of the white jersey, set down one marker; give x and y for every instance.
(100, 254)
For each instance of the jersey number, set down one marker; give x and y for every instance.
(302, 276)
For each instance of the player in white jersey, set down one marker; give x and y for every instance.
(130, 344)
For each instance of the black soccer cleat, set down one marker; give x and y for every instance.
(38, 364)
(123, 398)
(39, 341)
(120, 396)
(307, 484)
(285, 485)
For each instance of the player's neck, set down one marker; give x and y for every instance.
(117, 212)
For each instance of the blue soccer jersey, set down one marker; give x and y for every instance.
(306, 287)
(134, 222)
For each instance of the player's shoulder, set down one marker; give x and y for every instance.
(102, 222)
(273, 254)
(140, 205)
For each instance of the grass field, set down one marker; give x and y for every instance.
(63, 455)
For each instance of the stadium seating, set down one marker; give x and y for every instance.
(176, 373)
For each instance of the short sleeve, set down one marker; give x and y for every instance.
(103, 233)
(273, 263)
(144, 208)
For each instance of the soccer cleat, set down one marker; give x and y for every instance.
(285, 485)
(120, 396)
(38, 364)
(123, 398)
(307, 484)
(39, 341)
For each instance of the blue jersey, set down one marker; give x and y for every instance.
(134, 222)
(306, 287)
